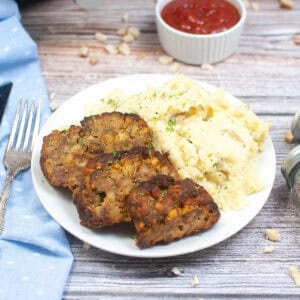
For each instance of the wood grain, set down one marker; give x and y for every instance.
(264, 73)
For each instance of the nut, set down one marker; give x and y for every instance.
(84, 51)
(122, 31)
(176, 271)
(86, 246)
(288, 4)
(272, 235)
(165, 59)
(100, 37)
(207, 67)
(110, 49)
(269, 249)
(93, 60)
(124, 49)
(195, 281)
(134, 31)
(128, 38)
(288, 137)
(295, 274)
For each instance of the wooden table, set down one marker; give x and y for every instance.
(264, 73)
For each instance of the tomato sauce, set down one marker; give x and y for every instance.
(200, 16)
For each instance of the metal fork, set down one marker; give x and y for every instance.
(19, 147)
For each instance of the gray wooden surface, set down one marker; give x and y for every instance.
(264, 72)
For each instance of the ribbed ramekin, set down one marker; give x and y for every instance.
(199, 48)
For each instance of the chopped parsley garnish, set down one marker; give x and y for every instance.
(142, 194)
(190, 141)
(50, 144)
(115, 154)
(150, 146)
(171, 125)
(163, 194)
(112, 102)
(81, 142)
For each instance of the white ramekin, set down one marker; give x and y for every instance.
(199, 48)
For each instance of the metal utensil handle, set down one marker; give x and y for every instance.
(3, 199)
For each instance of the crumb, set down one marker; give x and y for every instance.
(134, 31)
(110, 49)
(176, 271)
(122, 31)
(174, 67)
(296, 39)
(93, 60)
(288, 4)
(141, 56)
(269, 249)
(207, 67)
(54, 105)
(295, 274)
(195, 281)
(249, 22)
(86, 246)
(124, 49)
(100, 37)
(272, 235)
(165, 59)
(128, 38)
(125, 18)
(255, 6)
(288, 137)
(84, 51)
(270, 124)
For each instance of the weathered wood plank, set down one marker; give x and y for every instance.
(264, 73)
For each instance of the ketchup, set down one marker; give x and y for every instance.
(200, 16)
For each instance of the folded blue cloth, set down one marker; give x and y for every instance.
(35, 257)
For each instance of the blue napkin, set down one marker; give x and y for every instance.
(35, 257)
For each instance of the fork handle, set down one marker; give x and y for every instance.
(3, 199)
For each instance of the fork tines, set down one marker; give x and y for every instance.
(27, 121)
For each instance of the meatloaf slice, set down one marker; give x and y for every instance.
(115, 131)
(63, 156)
(164, 210)
(65, 153)
(109, 178)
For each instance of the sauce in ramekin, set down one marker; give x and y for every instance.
(200, 16)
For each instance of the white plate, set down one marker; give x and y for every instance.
(118, 239)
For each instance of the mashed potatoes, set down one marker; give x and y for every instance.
(208, 138)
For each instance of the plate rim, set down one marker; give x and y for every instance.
(140, 252)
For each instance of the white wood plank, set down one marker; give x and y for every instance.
(264, 73)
